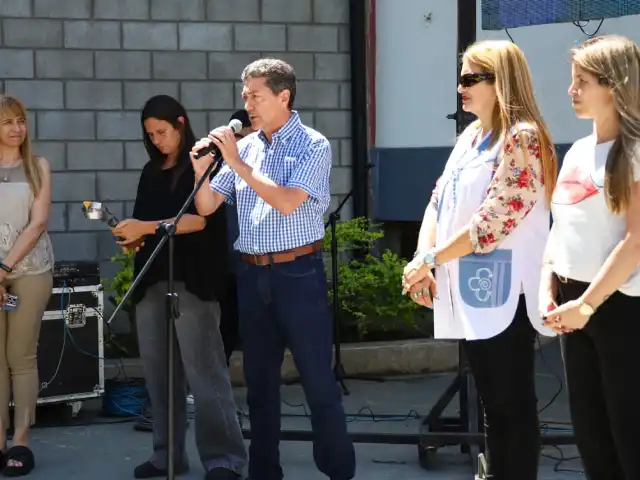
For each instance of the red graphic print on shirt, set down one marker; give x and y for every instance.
(574, 185)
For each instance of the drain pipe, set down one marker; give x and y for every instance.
(358, 31)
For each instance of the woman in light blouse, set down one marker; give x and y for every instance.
(26, 264)
(484, 233)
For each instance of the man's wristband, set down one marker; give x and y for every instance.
(6, 268)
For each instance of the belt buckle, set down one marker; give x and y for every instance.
(256, 259)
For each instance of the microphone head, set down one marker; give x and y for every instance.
(235, 125)
(98, 211)
(94, 210)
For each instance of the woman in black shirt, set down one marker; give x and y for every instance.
(200, 273)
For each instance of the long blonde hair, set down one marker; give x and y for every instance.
(516, 102)
(11, 107)
(615, 62)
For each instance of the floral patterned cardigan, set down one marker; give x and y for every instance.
(516, 187)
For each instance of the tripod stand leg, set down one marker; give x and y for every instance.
(338, 368)
(466, 430)
(473, 416)
(482, 468)
(339, 372)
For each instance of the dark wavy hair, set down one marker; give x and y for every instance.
(167, 108)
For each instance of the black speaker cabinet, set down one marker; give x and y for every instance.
(71, 345)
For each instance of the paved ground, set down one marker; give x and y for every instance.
(107, 451)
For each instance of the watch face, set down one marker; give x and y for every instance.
(586, 309)
(429, 258)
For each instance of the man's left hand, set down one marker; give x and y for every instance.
(224, 138)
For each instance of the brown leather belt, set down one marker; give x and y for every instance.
(281, 257)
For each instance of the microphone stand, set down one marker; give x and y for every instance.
(338, 368)
(172, 309)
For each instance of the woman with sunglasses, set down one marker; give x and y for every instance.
(484, 233)
(594, 253)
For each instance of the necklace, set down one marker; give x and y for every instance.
(7, 170)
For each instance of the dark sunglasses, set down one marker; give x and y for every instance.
(470, 79)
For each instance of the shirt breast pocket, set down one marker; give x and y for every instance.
(485, 280)
(287, 167)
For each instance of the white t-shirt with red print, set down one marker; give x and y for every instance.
(584, 230)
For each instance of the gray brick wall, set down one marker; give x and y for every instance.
(85, 67)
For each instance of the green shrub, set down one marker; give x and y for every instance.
(369, 286)
(122, 280)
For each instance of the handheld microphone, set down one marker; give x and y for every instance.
(99, 211)
(235, 125)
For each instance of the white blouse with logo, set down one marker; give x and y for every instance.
(500, 190)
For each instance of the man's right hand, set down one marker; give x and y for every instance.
(201, 164)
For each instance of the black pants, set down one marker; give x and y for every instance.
(229, 318)
(504, 371)
(601, 365)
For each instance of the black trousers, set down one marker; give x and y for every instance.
(504, 371)
(601, 366)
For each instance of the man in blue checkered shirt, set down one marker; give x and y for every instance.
(278, 178)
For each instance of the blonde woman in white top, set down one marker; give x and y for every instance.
(593, 256)
(484, 232)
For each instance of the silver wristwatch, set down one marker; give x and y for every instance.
(429, 259)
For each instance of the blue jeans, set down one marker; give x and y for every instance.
(285, 305)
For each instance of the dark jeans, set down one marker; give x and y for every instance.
(504, 371)
(601, 365)
(285, 305)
